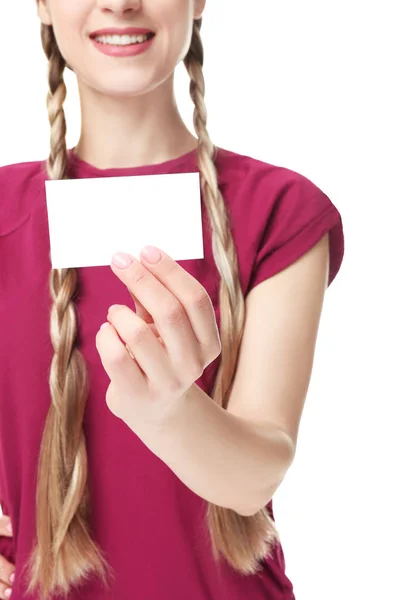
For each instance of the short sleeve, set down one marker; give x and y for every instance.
(290, 224)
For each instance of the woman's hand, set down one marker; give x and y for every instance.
(6, 568)
(165, 347)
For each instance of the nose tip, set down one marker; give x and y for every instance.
(122, 11)
(120, 6)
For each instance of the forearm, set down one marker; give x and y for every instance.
(220, 456)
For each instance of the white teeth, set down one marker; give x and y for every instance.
(122, 40)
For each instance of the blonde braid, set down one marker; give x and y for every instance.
(64, 553)
(242, 540)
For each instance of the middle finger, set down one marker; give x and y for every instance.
(168, 313)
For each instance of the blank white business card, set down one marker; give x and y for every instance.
(91, 219)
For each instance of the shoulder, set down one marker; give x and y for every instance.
(20, 184)
(268, 191)
(277, 213)
(267, 186)
(15, 173)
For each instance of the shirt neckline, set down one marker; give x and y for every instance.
(82, 168)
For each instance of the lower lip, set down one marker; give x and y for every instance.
(130, 50)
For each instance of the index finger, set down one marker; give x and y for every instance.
(166, 286)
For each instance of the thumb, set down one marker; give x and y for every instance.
(5, 524)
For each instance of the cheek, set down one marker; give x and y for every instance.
(178, 37)
(70, 25)
(175, 20)
(68, 40)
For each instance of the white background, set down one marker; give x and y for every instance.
(312, 86)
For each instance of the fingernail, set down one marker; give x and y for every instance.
(151, 254)
(121, 260)
(12, 577)
(9, 527)
(7, 593)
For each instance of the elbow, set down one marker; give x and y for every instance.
(255, 505)
(247, 513)
(253, 509)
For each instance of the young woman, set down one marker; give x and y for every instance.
(139, 460)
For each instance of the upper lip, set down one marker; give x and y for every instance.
(121, 31)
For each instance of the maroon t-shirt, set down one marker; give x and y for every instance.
(149, 524)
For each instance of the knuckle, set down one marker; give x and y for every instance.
(173, 387)
(196, 371)
(140, 274)
(171, 268)
(200, 299)
(117, 356)
(113, 402)
(109, 398)
(139, 334)
(174, 313)
(114, 308)
(213, 344)
(216, 349)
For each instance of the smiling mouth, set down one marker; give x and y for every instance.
(123, 40)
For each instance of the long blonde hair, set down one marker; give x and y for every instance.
(64, 553)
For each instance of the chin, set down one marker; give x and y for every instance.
(126, 86)
(122, 92)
